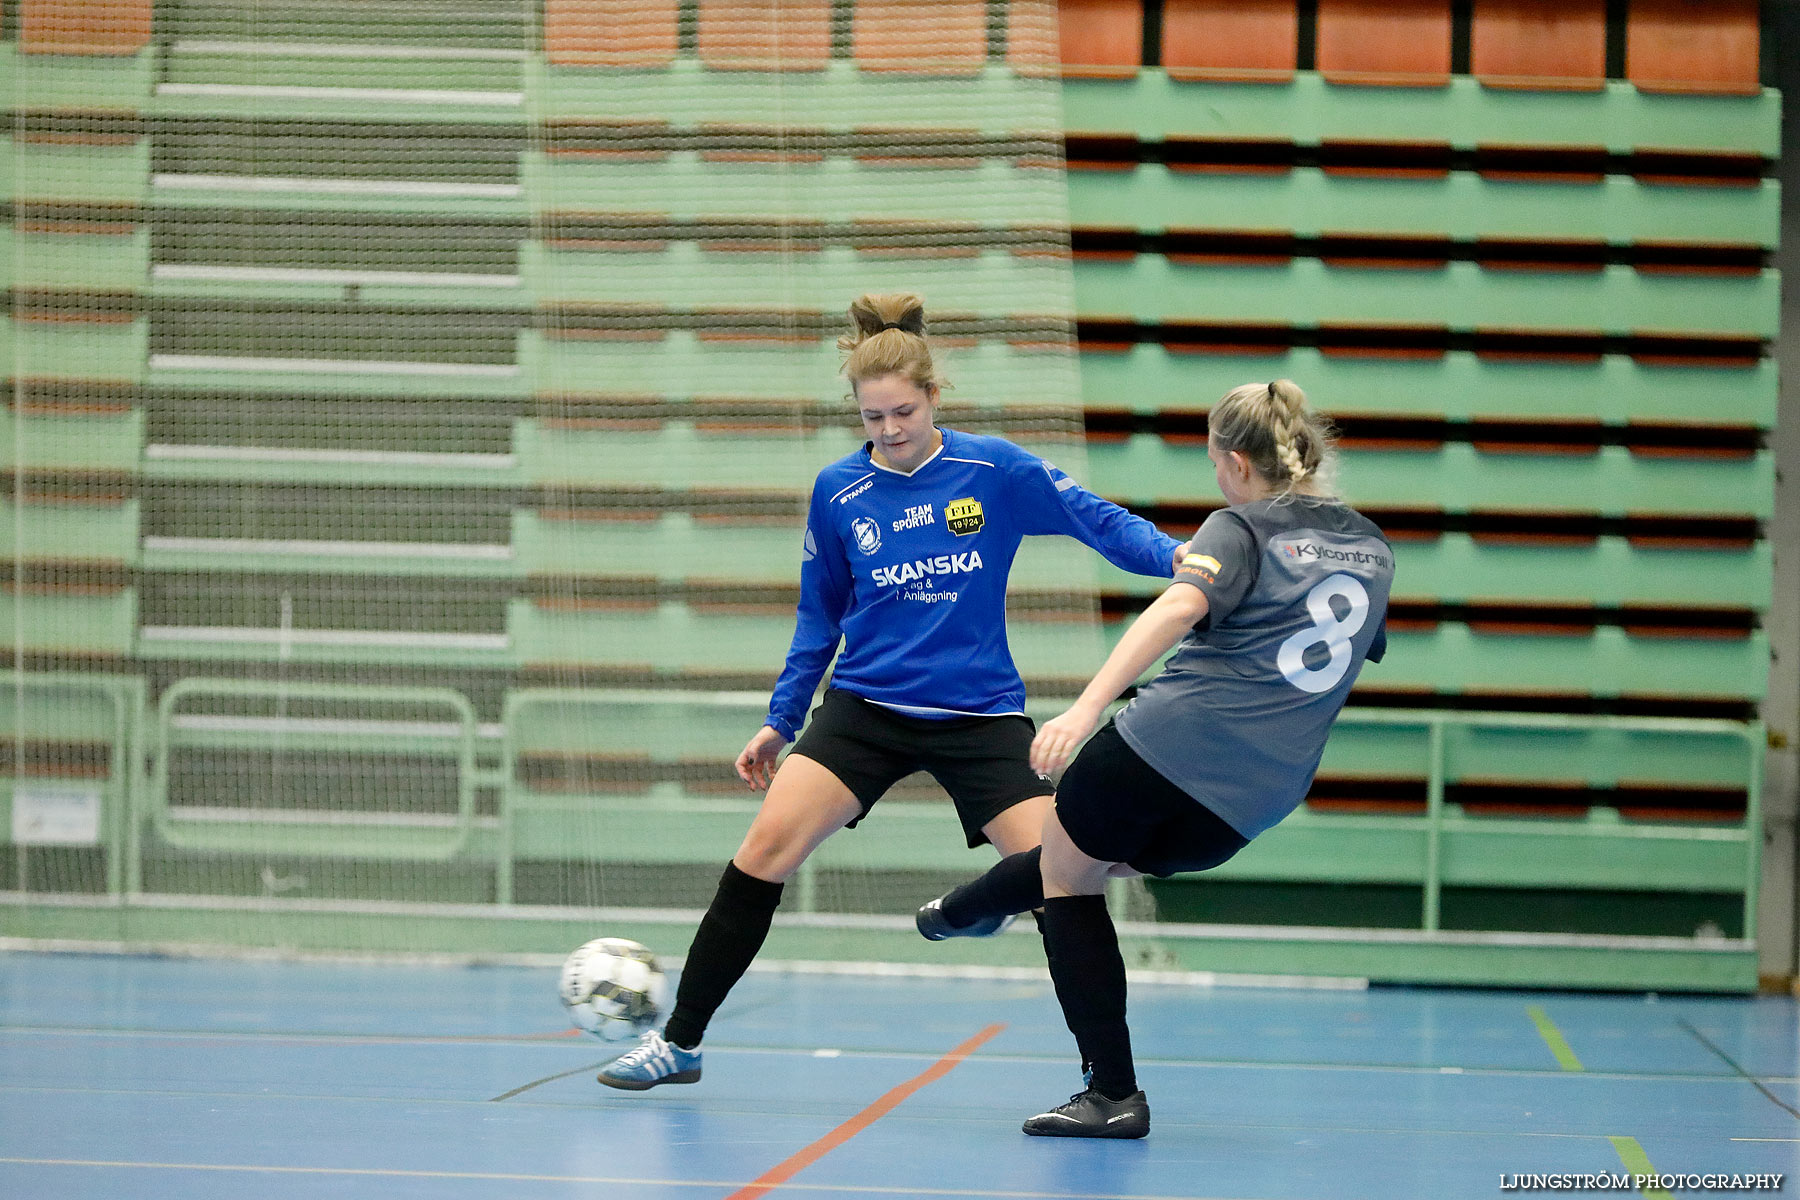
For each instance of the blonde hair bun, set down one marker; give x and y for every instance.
(888, 338)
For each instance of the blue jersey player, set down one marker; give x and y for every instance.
(1279, 601)
(904, 562)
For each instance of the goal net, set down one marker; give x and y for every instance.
(413, 408)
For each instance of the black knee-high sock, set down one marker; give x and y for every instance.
(730, 934)
(1089, 974)
(1012, 885)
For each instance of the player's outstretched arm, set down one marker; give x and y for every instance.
(756, 765)
(1051, 502)
(1157, 629)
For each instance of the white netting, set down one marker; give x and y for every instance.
(414, 406)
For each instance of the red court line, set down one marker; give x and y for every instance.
(783, 1171)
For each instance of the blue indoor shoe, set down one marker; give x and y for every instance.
(651, 1062)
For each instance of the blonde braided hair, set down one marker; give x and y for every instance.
(1288, 443)
(1290, 431)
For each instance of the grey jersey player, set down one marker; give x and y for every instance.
(1296, 590)
(1279, 601)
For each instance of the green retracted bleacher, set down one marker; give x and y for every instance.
(1536, 301)
(464, 387)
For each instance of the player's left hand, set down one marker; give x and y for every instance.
(1181, 552)
(1057, 740)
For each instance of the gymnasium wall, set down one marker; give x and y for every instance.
(1375, 226)
(413, 404)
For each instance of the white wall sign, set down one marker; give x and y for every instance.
(53, 814)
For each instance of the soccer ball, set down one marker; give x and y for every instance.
(613, 989)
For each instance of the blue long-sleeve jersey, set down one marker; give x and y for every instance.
(910, 572)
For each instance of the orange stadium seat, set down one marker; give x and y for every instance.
(610, 33)
(1246, 41)
(1541, 44)
(922, 37)
(1031, 38)
(765, 35)
(1696, 46)
(1095, 39)
(1390, 43)
(81, 27)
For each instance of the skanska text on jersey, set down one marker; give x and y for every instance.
(923, 568)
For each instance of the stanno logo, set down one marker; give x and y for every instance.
(917, 515)
(867, 534)
(963, 517)
(923, 568)
(853, 493)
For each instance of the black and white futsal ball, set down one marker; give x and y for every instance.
(614, 989)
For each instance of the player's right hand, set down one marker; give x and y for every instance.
(1059, 738)
(756, 765)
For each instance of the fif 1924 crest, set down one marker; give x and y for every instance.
(963, 517)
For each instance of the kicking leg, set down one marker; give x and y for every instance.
(1013, 885)
(805, 805)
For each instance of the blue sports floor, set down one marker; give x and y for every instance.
(141, 1078)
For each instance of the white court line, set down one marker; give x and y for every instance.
(330, 366)
(289, 816)
(1206, 979)
(638, 696)
(281, 91)
(274, 48)
(1453, 937)
(331, 725)
(609, 914)
(510, 1177)
(559, 1040)
(325, 637)
(342, 278)
(335, 187)
(300, 548)
(295, 454)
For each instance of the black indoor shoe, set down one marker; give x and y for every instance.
(1089, 1114)
(935, 927)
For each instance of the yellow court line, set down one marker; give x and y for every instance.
(1553, 1038)
(512, 1177)
(1638, 1163)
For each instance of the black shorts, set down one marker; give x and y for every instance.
(983, 762)
(1116, 807)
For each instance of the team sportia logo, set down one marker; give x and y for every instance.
(916, 515)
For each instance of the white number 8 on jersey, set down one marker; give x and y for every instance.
(1326, 630)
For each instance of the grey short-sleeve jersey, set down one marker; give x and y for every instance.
(1297, 595)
